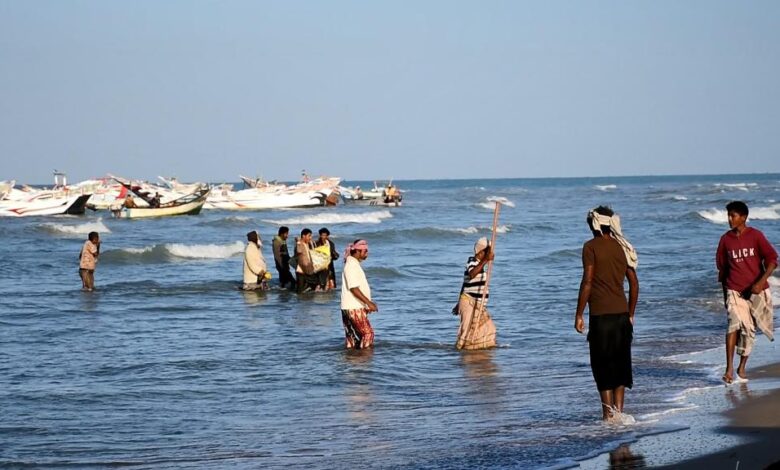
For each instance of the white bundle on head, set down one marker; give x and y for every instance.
(613, 222)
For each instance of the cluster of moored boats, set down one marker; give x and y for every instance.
(125, 198)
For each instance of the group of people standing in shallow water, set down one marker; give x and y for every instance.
(744, 258)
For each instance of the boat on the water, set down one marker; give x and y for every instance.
(189, 204)
(45, 203)
(28, 201)
(312, 193)
(380, 195)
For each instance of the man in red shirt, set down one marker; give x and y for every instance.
(745, 260)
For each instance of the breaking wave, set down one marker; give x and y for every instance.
(605, 187)
(737, 186)
(490, 203)
(71, 230)
(719, 216)
(375, 217)
(170, 252)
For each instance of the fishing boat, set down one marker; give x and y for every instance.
(189, 204)
(28, 201)
(45, 203)
(380, 195)
(312, 193)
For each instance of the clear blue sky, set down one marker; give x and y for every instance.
(207, 90)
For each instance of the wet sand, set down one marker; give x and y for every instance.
(755, 419)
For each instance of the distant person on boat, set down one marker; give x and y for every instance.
(88, 260)
(476, 330)
(391, 194)
(358, 193)
(155, 202)
(608, 259)
(130, 202)
(325, 240)
(745, 261)
(306, 278)
(254, 264)
(356, 301)
(282, 258)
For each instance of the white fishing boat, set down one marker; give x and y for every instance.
(190, 204)
(312, 193)
(45, 203)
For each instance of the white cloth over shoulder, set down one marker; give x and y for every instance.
(613, 223)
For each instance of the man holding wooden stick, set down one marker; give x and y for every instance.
(477, 330)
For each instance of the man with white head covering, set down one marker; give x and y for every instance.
(476, 330)
(254, 264)
(607, 260)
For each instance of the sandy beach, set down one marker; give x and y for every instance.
(756, 419)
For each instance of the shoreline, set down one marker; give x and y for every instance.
(726, 427)
(757, 421)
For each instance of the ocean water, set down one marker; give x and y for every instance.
(169, 365)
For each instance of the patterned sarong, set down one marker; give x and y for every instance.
(476, 330)
(744, 315)
(357, 329)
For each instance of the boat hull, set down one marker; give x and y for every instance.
(189, 208)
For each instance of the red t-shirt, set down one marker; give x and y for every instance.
(742, 259)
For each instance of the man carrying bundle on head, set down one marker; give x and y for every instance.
(476, 330)
(356, 301)
(607, 260)
(255, 269)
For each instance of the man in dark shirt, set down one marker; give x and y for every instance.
(605, 263)
(282, 258)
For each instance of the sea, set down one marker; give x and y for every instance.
(169, 365)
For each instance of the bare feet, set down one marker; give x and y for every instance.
(728, 377)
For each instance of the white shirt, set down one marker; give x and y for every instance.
(353, 276)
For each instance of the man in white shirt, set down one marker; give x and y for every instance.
(356, 301)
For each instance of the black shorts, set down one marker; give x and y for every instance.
(84, 270)
(609, 338)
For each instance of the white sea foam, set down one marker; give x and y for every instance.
(501, 200)
(605, 187)
(81, 229)
(472, 229)
(205, 251)
(717, 216)
(720, 216)
(490, 203)
(774, 285)
(679, 198)
(738, 186)
(375, 217)
(138, 251)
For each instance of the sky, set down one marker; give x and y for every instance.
(208, 90)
